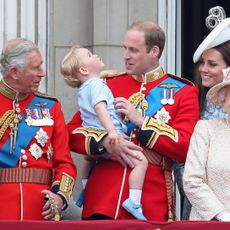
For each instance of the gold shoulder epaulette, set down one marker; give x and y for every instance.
(182, 79)
(39, 94)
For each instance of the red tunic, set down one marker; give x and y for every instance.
(107, 187)
(24, 201)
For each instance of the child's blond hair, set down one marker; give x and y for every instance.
(69, 67)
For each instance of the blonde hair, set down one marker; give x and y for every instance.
(69, 67)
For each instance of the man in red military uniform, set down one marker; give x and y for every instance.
(37, 173)
(160, 110)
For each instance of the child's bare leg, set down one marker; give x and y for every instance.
(136, 181)
(137, 177)
(86, 168)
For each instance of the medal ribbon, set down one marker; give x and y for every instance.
(154, 99)
(25, 135)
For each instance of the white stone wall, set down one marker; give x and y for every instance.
(96, 24)
(56, 25)
(99, 25)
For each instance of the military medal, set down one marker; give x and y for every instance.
(171, 96)
(164, 100)
(46, 117)
(39, 117)
(170, 101)
(168, 93)
(28, 119)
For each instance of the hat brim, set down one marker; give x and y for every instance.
(213, 94)
(216, 37)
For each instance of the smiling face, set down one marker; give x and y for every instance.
(29, 77)
(210, 67)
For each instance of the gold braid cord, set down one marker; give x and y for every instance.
(170, 195)
(6, 121)
(10, 119)
(138, 100)
(166, 165)
(54, 208)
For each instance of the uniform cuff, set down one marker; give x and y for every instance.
(65, 189)
(152, 129)
(92, 139)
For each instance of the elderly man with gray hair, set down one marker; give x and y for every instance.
(37, 173)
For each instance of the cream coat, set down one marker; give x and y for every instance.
(207, 169)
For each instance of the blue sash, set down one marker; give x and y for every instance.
(154, 99)
(24, 136)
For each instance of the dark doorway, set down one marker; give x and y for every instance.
(194, 30)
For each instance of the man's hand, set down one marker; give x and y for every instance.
(52, 206)
(123, 106)
(121, 151)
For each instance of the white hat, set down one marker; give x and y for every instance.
(214, 95)
(217, 36)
